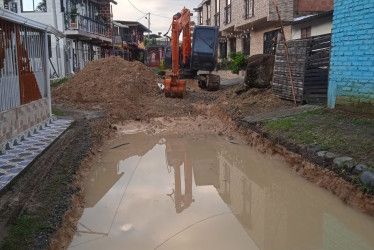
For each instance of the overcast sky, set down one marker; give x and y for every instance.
(167, 8)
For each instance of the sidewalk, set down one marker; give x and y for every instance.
(19, 157)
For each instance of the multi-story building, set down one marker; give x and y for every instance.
(252, 26)
(85, 23)
(132, 36)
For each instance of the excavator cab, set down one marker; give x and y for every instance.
(204, 48)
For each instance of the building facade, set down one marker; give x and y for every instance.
(252, 26)
(25, 100)
(85, 23)
(351, 84)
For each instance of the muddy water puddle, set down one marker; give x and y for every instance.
(204, 192)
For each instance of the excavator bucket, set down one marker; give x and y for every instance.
(175, 89)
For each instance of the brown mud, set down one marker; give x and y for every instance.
(128, 96)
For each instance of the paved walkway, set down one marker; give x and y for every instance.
(20, 156)
(279, 113)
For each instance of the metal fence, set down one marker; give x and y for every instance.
(23, 77)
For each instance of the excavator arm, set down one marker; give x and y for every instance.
(174, 87)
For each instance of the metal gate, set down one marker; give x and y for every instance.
(22, 65)
(317, 64)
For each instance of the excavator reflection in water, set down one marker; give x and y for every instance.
(176, 156)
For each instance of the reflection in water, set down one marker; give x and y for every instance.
(272, 208)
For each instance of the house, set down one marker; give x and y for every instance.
(25, 99)
(85, 24)
(252, 27)
(312, 25)
(156, 49)
(351, 84)
(133, 39)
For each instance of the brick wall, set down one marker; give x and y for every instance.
(17, 120)
(286, 10)
(314, 5)
(105, 11)
(351, 84)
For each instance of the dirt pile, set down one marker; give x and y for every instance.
(111, 83)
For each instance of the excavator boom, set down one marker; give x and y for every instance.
(175, 87)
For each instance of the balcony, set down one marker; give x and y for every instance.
(227, 14)
(87, 26)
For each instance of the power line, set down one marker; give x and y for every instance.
(160, 16)
(142, 17)
(136, 8)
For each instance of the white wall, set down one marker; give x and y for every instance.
(319, 26)
(48, 18)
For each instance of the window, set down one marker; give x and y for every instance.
(223, 50)
(249, 8)
(232, 44)
(34, 5)
(228, 12)
(204, 41)
(200, 17)
(216, 15)
(246, 44)
(306, 32)
(208, 14)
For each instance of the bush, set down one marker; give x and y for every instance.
(239, 62)
(224, 65)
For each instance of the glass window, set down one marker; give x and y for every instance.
(34, 6)
(204, 41)
(217, 6)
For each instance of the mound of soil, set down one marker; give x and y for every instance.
(111, 83)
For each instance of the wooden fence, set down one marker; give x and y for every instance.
(310, 59)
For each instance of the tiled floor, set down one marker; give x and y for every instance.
(17, 158)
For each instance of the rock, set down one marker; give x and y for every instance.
(313, 148)
(321, 153)
(330, 155)
(260, 69)
(367, 178)
(343, 161)
(360, 168)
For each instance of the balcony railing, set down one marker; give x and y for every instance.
(88, 25)
(227, 14)
(216, 19)
(128, 38)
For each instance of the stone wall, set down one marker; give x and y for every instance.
(17, 120)
(351, 84)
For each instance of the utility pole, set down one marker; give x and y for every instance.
(149, 27)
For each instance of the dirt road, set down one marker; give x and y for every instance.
(112, 94)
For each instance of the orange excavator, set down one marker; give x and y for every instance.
(202, 55)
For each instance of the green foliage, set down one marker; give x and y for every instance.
(23, 232)
(239, 61)
(42, 6)
(73, 14)
(59, 82)
(224, 64)
(162, 65)
(56, 111)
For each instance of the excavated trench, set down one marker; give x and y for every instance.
(199, 191)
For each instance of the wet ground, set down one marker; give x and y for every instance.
(205, 192)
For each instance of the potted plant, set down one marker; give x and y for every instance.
(73, 18)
